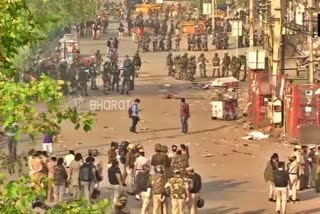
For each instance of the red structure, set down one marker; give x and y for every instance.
(302, 107)
(261, 86)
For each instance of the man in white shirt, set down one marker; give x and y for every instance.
(140, 162)
(67, 160)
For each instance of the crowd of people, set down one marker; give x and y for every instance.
(301, 172)
(185, 68)
(165, 176)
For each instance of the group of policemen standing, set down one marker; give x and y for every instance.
(115, 74)
(184, 68)
(171, 180)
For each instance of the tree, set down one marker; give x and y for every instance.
(19, 103)
(17, 196)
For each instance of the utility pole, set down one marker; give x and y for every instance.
(251, 22)
(213, 12)
(310, 40)
(276, 34)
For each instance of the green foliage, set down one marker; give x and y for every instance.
(13, 166)
(17, 196)
(35, 107)
(82, 206)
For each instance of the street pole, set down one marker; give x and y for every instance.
(310, 42)
(213, 12)
(238, 33)
(251, 23)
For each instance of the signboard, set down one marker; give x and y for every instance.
(206, 9)
(236, 28)
(159, 1)
(256, 59)
(309, 134)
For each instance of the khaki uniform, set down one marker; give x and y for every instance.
(317, 174)
(300, 162)
(178, 188)
(158, 182)
(216, 66)
(293, 170)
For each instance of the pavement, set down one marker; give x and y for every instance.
(231, 168)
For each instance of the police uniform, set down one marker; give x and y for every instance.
(170, 64)
(177, 45)
(225, 64)
(178, 188)
(192, 67)
(106, 76)
(216, 66)
(157, 183)
(293, 170)
(202, 65)
(128, 76)
(115, 77)
(83, 78)
(169, 43)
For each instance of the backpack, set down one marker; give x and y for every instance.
(130, 111)
(86, 172)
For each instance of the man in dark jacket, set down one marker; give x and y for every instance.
(143, 188)
(195, 184)
(87, 177)
(59, 179)
(281, 182)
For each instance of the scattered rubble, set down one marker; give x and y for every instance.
(255, 135)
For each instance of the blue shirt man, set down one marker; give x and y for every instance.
(134, 115)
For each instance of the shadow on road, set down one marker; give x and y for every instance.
(219, 210)
(311, 211)
(221, 185)
(160, 130)
(227, 210)
(190, 133)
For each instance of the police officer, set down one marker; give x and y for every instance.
(176, 65)
(179, 192)
(154, 39)
(83, 78)
(235, 67)
(198, 42)
(98, 59)
(183, 66)
(159, 196)
(225, 64)
(137, 63)
(62, 69)
(161, 43)
(204, 42)
(216, 66)
(177, 45)
(202, 65)
(243, 62)
(93, 75)
(170, 64)
(127, 75)
(168, 43)
(106, 76)
(189, 41)
(115, 72)
(192, 67)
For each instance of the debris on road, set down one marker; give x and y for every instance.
(255, 135)
(207, 154)
(244, 153)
